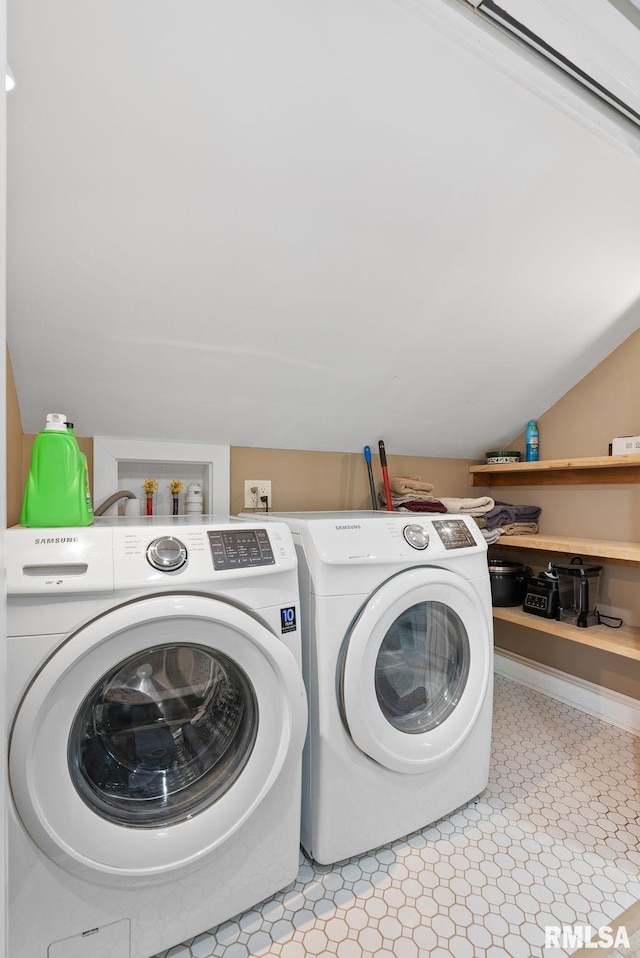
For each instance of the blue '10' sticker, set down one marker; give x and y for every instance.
(288, 619)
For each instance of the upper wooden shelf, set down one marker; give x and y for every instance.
(604, 469)
(627, 553)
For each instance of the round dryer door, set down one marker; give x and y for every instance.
(415, 669)
(152, 734)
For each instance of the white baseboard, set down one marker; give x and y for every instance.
(613, 707)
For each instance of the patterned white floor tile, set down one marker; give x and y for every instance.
(554, 840)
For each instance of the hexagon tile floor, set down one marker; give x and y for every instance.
(553, 841)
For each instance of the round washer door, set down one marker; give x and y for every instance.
(152, 734)
(415, 669)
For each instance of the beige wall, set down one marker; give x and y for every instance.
(603, 405)
(303, 481)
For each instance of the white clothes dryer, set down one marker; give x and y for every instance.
(398, 663)
(157, 718)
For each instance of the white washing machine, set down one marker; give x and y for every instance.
(398, 662)
(157, 716)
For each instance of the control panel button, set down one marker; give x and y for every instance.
(166, 554)
(417, 536)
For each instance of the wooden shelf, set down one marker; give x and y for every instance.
(624, 641)
(627, 553)
(604, 469)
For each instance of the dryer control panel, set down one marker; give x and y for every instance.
(377, 537)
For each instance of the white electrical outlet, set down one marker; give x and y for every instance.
(253, 500)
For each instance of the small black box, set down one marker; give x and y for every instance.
(541, 596)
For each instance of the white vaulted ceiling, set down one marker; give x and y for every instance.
(307, 225)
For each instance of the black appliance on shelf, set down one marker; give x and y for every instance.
(541, 596)
(578, 593)
(508, 580)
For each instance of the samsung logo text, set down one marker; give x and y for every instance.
(56, 541)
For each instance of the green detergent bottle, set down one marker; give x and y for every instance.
(87, 490)
(57, 490)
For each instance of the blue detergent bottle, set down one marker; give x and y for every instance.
(532, 440)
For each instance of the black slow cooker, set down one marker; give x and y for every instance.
(508, 582)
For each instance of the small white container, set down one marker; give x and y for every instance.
(626, 446)
(132, 507)
(193, 501)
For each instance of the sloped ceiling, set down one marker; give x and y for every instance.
(306, 225)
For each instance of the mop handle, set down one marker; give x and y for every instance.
(385, 475)
(372, 488)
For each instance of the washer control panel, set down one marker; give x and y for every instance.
(198, 551)
(123, 553)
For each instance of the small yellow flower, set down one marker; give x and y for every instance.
(176, 486)
(150, 485)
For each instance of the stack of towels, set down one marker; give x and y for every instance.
(495, 519)
(510, 520)
(411, 494)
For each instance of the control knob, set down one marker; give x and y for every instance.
(166, 554)
(416, 536)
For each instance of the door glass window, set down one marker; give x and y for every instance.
(422, 667)
(163, 735)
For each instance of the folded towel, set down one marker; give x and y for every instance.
(480, 521)
(409, 497)
(397, 500)
(505, 513)
(491, 535)
(420, 505)
(520, 529)
(469, 507)
(401, 485)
